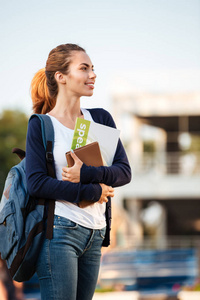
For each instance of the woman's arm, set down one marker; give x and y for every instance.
(43, 186)
(116, 175)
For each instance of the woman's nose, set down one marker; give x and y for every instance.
(92, 74)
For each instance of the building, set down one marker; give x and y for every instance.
(161, 133)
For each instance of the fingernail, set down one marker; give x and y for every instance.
(72, 150)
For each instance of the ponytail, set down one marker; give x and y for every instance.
(42, 102)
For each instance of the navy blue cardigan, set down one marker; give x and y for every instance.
(43, 186)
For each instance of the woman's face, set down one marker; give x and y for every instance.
(81, 77)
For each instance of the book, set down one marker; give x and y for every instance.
(86, 132)
(89, 154)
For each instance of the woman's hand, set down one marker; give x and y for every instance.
(73, 174)
(107, 191)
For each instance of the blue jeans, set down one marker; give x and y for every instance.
(68, 265)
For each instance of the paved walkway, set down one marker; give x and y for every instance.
(129, 296)
(116, 296)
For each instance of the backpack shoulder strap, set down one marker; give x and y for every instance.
(47, 129)
(48, 142)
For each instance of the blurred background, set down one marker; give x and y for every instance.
(146, 56)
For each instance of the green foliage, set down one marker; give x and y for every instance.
(13, 128)
(104, 290)
(195, 287)
(195, 143)
(149, 146)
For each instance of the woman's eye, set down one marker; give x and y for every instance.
(85, 69)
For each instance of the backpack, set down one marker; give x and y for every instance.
(22, 217)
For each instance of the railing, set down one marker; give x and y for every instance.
(167, 163)
(164, 242)
(170, 242)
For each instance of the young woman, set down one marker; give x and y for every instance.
(68, 264)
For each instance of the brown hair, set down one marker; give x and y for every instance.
(44, 88)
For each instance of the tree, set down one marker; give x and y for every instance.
(13, 128)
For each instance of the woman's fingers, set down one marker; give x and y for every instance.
(64, 176)
(107, 191)
(103, 200)
(112, 194)
(72, 174)
(75, 158)
(64, 169)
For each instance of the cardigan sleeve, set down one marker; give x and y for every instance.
(43, 186)
(116, 175)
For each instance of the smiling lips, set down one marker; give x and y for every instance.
(90, 85)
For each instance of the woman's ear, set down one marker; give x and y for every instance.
(59, 77)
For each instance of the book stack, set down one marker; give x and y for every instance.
(94, 144)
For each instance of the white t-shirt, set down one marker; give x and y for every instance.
(92, 216)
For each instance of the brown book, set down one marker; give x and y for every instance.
(89, 154)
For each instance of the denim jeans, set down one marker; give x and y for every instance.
(68, 265)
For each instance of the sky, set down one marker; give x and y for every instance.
(148, 45)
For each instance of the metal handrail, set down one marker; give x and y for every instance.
(167, 163)
(167, 242)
